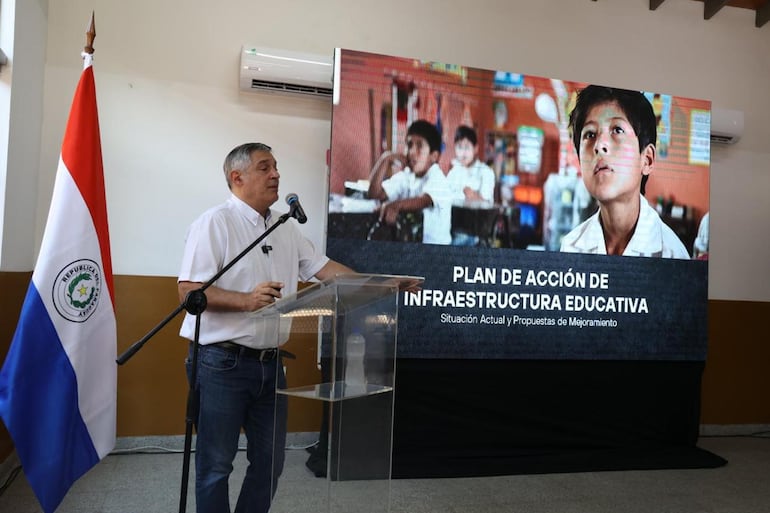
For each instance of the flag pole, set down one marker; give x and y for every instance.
(90, 36)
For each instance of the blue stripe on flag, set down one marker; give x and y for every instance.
(39, 404)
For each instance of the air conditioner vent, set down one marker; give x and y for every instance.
(722, 139)
(726, 125)
(291, 88)
(285, 71)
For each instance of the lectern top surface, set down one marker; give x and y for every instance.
(343, 290)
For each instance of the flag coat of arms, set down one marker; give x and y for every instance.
(58, 381)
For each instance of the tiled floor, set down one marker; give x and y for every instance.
(150, 483)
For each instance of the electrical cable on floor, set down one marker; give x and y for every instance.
(157, 449)
(147, 449)
(301, 447)
(757, 434)
(11, 476)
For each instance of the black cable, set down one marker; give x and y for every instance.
(757, 434)
(11, 476)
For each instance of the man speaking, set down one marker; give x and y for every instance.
(238, 361)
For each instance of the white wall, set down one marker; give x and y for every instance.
(7, 16)
(23, 28)
(170, 108)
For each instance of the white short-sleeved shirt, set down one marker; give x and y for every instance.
(651, 238)
(479, 177)
(436, 220)
(218, 236)
(701, 244)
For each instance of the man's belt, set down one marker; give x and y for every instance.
(263, 355)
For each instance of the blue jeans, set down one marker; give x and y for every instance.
(234, 392)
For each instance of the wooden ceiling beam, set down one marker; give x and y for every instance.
(763, 15)
(711, 7)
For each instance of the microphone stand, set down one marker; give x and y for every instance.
(195, 304)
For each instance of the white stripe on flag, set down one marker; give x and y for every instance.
(90, 346)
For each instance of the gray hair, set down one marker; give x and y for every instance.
(240, 158)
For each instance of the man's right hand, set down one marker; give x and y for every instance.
(264, 294)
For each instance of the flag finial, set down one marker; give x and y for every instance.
(90, 35)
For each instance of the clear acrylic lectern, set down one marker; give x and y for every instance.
(340, 391)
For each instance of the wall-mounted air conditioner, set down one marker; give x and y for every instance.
(726, 125)
(284, 71)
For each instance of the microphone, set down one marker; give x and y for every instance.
(295, 209)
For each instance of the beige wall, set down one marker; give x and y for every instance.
(15, 285)
(152, 387)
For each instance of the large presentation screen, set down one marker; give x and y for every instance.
(550, 219)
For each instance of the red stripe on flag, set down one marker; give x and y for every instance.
(82, 154)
